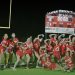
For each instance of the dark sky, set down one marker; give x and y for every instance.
(28, 17)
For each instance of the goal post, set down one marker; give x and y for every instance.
(9, 25)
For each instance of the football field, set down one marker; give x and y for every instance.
(22, 71)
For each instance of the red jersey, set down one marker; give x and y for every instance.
(1, 48)
(36, 45)
(15, 40)
(4, 42)
(19, 52)
(69, 48)
(50, 65)
(48, 48)
(56, 52)
(28, 51)
(53, 39)
(10, 47)
(74, 46)
(68, 61)
(63, 49)
(28, 48)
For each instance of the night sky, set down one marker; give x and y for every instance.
(28, 18)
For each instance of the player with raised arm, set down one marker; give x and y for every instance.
(56, 52)
(28, 50)
(49, 48)
(36, 45)
(53, 39)
(61, 38)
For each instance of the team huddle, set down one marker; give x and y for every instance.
(54, 53)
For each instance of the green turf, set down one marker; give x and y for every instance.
(21, 71)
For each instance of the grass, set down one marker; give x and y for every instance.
(22, 71)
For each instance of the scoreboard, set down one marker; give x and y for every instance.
(60, 21)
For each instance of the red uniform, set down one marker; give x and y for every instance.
(11, 45)
(15, 40)
(4, 43)
(53, 39)
(56, 52)
(1, 48)
(42, 57)
(63, 49)
(27, 49)
(36, 45)
(68, 61)
(69, 48)
(74, 46)
(50, 65)
(48, 48)
(20, 53)
(43, 62)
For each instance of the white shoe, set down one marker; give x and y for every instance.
(27, 67)
(65, 70)
(68, 70)
(4, 66)
(13, 68)
(37, 67)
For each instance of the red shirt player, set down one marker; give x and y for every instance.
(36, 45)
(28, 47)
(69, 48)
(15, 41)
(11, 46)
(28, 50)
(42, 56)
(4, 42)
(50, 65)
(19, 52)
(63, 48)
(48, 46)
(1, 49)
(53, 39)
(56, 51)
(68, 61)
